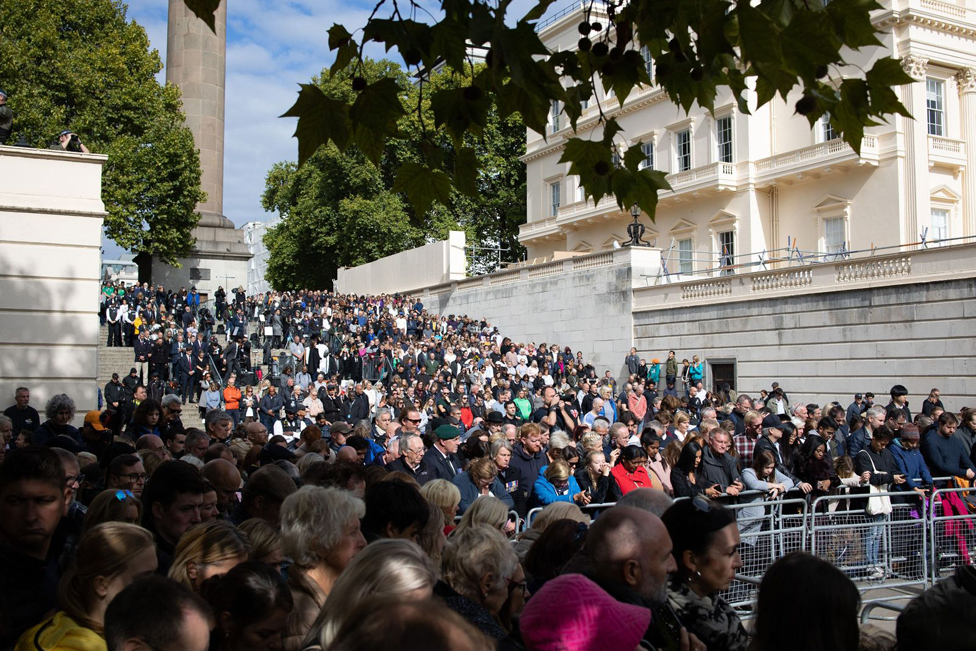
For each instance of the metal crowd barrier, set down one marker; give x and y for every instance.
(952, 531)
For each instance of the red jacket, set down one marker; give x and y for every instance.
(630, 481)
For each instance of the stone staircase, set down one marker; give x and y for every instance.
(112, 360)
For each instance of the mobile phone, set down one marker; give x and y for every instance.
(665, 630)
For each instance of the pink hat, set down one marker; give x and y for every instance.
(572, 613)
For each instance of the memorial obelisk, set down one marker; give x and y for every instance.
(196, 62)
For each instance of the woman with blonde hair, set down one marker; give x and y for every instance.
(151, 460)
(112, 506)
(432, 538)
(207, 550)
(486, 509)
(264, 541)
(681, 424)
(110, 556)
(388, 567)
(447, 496)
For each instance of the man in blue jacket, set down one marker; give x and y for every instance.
(945, 454)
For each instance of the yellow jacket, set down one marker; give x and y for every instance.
(60, 633)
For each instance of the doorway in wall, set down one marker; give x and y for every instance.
(722, 371)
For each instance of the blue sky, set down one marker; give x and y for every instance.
(272, 46)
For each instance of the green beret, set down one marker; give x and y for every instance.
(446, 432)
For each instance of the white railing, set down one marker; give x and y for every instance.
(874, 269)
(725, 171)
(532, 227)
(593, 261)
(823, 150)
(949, 145)
(546, 270)
(944, 8)
(708, 289)
(782, 280)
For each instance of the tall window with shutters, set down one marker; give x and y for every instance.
(686, 262)
(834, 236)
(726, 252)
(554, 116)
(939, 230)
(935, 106)
(827, 129)
(682, 148)
(723, 137)
(554, 195)
(647, 148)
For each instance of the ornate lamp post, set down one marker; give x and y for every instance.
(635, 229)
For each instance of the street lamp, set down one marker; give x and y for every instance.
(635, 229)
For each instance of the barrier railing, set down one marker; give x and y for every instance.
(951, 530)
(886, 549)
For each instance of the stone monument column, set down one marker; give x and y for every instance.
(967, 115)
(196, 62)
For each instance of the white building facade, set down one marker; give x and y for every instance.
(257, 266)
(747, 187)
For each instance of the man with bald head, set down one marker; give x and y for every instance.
(225, 479)
(630, 557)
(256, 433)
(348, 453)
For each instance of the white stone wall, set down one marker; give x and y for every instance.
(584, 302)
(828, 331)
(51, 216)
(432, 264)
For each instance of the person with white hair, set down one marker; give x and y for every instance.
(320, 533)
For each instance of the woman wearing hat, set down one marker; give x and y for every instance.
(706, 550)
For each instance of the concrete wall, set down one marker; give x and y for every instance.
(584, 303)
(828, 331)
(432, 264)
(51, 216)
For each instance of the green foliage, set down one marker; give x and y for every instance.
(344, 208)
(697, 46)
(80, 65)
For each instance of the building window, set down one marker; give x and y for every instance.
(723, 132)
(834, 237)
(615, 158)
(554, 116)
(827, 129)
(685, 256)
(935, 106)
(647, 148)
(939, 231)
(726, 252)
(648, 64)
(554, 199)
(682, 148)
(580, 192)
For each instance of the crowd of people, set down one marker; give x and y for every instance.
(319, 509)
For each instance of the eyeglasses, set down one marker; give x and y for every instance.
(122, 495)
(412, 420)
(72, 479)
(135, 476)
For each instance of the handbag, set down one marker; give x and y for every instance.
(877, 504)
(268, 331)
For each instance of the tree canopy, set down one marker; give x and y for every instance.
(81, 65)
(697, 47)
(341, 209)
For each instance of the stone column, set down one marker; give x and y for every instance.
(195, 61)
(916, 149)
(967, 116)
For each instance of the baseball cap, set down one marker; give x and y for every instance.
(94, 418)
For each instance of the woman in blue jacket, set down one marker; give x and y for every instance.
(481, 478)
(910, 461)
(557, 484)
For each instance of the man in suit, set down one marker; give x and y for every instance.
(442, 460)
(186, 371)
(113, 315)
(230, 359)
(357, 406)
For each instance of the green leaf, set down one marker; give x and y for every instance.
(466, 171)
(378, 107)
(448, 43)
(460, 111)
(851, 21)
(320, 119)
(205, 10)
(423, 186)
(536, 12)
(338, 36)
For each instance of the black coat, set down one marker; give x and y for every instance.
(421, 474)
(718, 470)
(605, 490)
(440, 467)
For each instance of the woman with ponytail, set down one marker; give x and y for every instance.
(110, 557)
